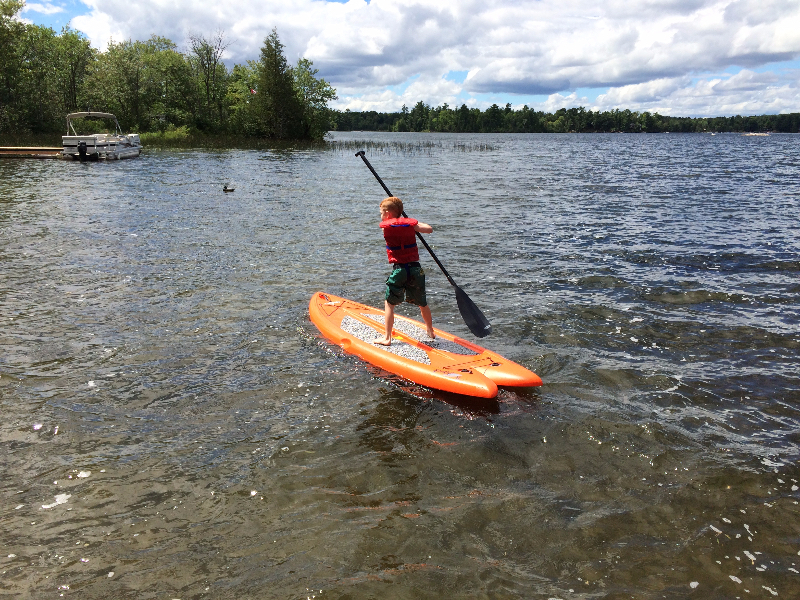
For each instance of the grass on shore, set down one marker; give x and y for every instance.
(179, 138)
(30, 139)
(183, 138)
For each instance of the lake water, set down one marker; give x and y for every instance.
(174, 426)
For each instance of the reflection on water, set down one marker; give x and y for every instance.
(175, 426)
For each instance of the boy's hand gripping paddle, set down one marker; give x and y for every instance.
(472, 315)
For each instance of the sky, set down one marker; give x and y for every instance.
(691, 58)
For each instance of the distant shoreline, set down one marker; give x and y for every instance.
(495, 119)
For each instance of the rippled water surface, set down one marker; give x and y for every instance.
(174, 427)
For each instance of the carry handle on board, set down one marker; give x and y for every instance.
(478, 324)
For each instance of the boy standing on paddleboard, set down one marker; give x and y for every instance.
(407, 278)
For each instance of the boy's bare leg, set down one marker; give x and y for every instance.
(426, 316)
(388, 317)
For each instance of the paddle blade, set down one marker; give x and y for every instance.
(472, 315)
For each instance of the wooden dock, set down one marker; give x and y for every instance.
(30, 152)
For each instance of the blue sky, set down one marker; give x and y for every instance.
(53, 14)
(676, 57)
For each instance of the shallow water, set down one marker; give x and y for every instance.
(175, 427)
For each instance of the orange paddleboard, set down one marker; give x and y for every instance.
(446, 363)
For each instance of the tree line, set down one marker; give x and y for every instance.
(525, 120)
(150, 86)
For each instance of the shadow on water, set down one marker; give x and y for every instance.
(404, 390)
(471, 406)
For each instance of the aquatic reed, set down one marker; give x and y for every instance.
(181, 138)
(408, 147)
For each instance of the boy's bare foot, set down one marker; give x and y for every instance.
(383, 341)
(431, 334)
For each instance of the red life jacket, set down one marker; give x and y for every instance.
(401, 240)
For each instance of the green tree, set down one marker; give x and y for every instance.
(314, 95)
(647, 122)
(51, 71)
(11, 36)
(465, 120)
(443, 119)
(212, 76)
(276, 101)
(418, 117)
(74, 55)
(42, 73)
(492, 119)
(140, 82)
(402, 123)
(39, 102)
(241, 101)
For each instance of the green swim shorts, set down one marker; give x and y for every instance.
(408, 281)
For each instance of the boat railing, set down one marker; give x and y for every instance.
(92, 115)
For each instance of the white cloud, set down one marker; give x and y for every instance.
(43, 9)
(432, 91)
(744, 93)
(100, 28)
(643, 94)
(673, 54)
(557, 101)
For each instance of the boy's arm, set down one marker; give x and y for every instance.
(423, 228)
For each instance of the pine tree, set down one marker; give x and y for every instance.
(276, 100)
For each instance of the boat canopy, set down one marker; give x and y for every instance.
(91, 115)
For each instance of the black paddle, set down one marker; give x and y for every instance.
(472, 315)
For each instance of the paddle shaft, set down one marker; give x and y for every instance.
(419, 235)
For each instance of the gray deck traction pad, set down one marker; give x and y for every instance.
(367, 334)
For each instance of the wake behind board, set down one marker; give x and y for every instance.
(446, 363)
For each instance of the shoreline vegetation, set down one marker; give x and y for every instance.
(192, 99)
(151, 87)
(445, 119)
